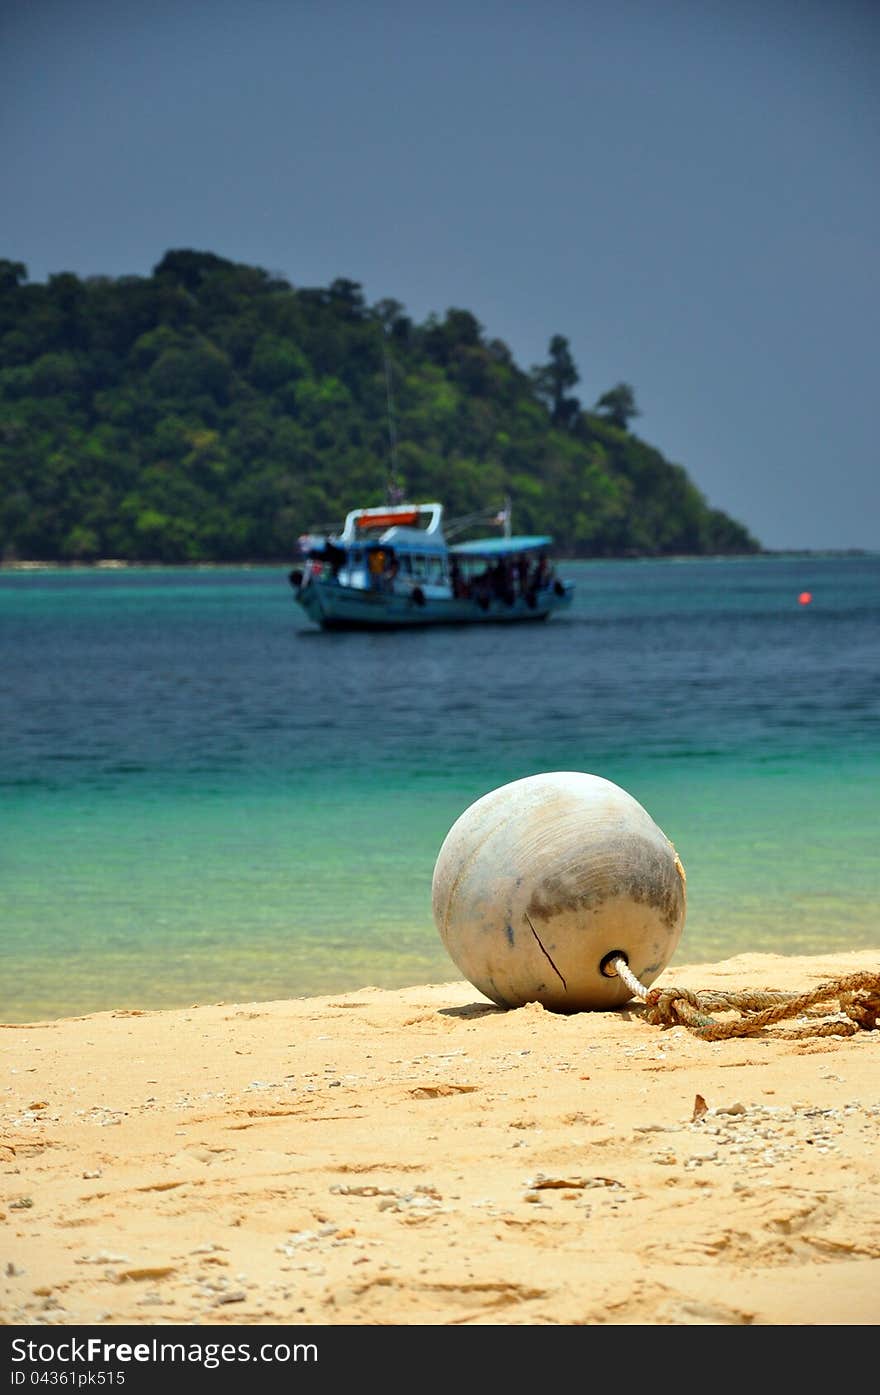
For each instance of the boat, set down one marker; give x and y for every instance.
(395, 566)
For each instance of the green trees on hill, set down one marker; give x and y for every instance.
(212, 412)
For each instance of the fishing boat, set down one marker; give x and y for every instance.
(395, 567)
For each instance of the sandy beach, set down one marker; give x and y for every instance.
(422, 1157)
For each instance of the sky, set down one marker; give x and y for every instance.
(686, 190)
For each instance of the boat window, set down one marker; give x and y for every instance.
(418, 565)
(405, 564)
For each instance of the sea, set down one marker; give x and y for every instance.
(205, 799)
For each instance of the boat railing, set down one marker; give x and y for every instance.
(455, 526)
(358, 522)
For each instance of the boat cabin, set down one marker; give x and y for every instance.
(392, 547)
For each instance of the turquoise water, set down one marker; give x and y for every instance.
(203, 799)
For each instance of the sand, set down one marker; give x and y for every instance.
(421, 1157)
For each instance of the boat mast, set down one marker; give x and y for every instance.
(393, 490)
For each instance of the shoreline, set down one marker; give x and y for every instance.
(419, 1156)
(123, 564)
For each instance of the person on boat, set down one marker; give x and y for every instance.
(459, 586)
(335, 557)
(538, 580)
(502, 581)
(522, 573)
(376, 566)
(482, 589)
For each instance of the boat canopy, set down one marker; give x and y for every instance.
(500, 547)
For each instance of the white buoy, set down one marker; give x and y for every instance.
(542, 882)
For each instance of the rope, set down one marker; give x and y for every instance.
(857, 997)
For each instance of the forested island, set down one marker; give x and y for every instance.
(212, 412)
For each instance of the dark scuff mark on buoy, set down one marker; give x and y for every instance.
(497, 997)
(626, 866)
(546, 955)
(511, 938)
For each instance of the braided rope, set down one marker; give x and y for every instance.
(857, 997)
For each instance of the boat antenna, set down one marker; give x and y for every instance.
(395, 493)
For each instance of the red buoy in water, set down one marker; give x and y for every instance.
(805, 597)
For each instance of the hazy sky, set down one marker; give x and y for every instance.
(687, 190)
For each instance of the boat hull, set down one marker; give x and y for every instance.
(336, 607)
